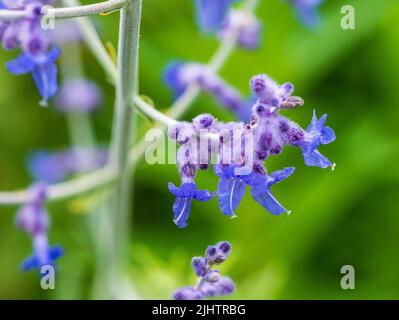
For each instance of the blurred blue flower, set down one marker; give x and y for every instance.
(78, 94)
(307, 11)
(211, 13)
(33, 219)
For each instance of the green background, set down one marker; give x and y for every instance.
(347, 216)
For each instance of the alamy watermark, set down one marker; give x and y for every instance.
(348, 280)
(348, 20)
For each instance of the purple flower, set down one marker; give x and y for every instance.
(178, 76)
(307, 11)
(240, 149)
(317, 133)
(211, 13)
(55, 167)
(245, 25)
(33, 219)
(273, 95)
(79, 95)
(210, 283)
(182, 204)
(217, 254)
(187, 293)
(38, 54)
(199, 266)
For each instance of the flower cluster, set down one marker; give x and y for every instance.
(55, 167)
(178, 76)
(241, 149)
(38, 53)
(216, 16)
(210, 282)
(33, 219)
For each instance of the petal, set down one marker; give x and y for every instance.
(265, 198)
(230, 193)
(21, 65)
(203, 195)
(181, 210)
(55, 252)
(328, 135)
(280, 175)
(315, 158)
(30, 263)
(45, 77)
(313, 123)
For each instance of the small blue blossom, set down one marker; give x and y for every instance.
(210, 283)
(261, 191)
(42, 255)
(232, 189)
(182, 204)
(211, 13)
(38, 53)
(307, 11)
(33, 219)
(317, 133)
(43, 70)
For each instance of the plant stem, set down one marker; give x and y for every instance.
(126, 88)
(70, 12)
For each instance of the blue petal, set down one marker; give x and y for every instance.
(230, 194)
(33, 262)
(21, 65)
(315, 158)
(265, 198)
(280, 175)
(203, 195)
(328, 135)
(313, 123)
(181, 210)
(211, 13)
(45, 77)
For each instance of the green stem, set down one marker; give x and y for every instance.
(126, 88)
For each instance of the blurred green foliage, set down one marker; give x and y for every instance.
(349, 216)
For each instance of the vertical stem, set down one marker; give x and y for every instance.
(126, 88)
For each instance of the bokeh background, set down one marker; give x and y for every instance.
(347, 216)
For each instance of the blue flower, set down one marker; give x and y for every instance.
(182, 204)
(232, 188)
(211, 13)
(42, 257)
(33, 219)
(261, 191)
(43, 69)
(172, 78)
(307, 11)
(315, 135)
